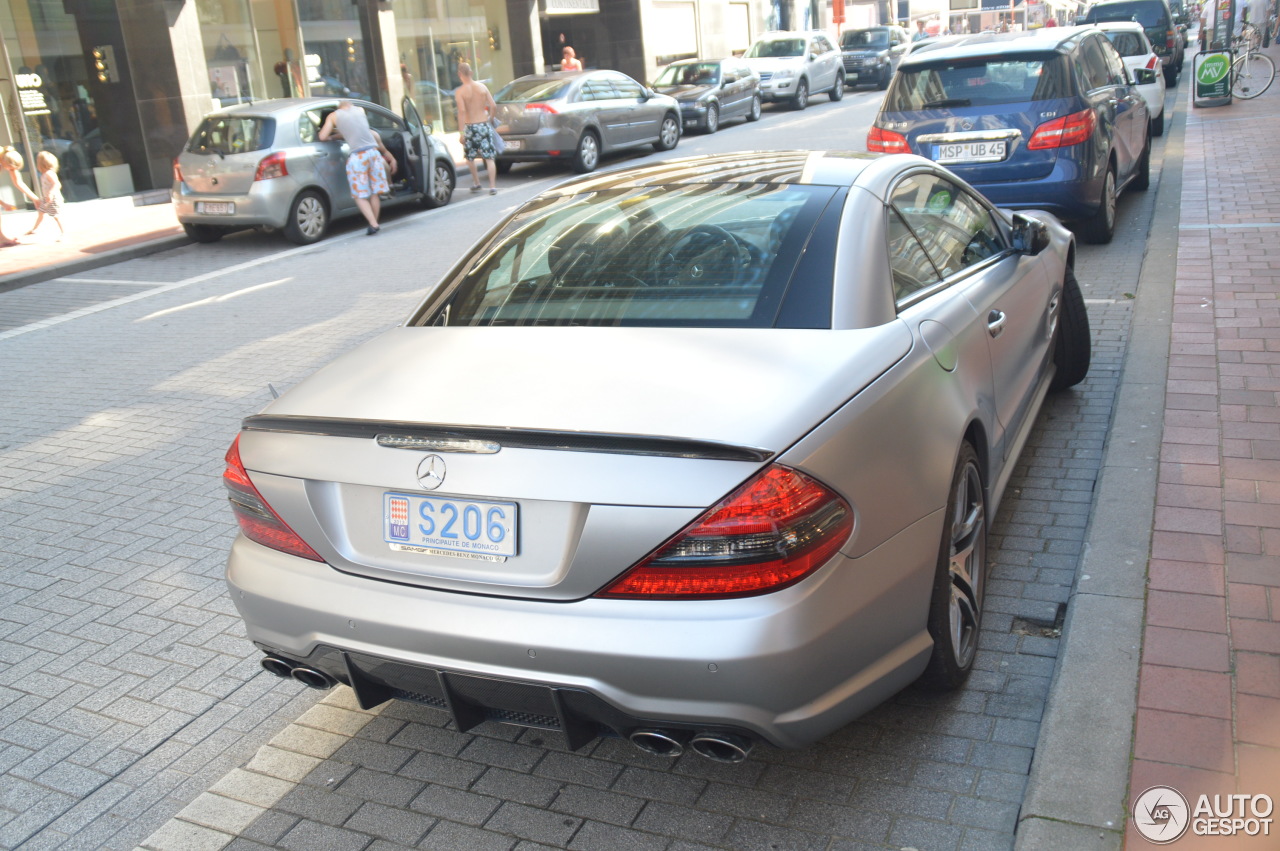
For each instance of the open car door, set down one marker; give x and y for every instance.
(419, 147)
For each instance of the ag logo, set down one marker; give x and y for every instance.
(1213, 68)
(1161, 814)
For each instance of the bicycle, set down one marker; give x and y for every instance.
(1252, 71)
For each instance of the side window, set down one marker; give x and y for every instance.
(1094, 65)
(1115, 65)
(598, 90)
(823, 46)
(309, 126)
(955, 228)
(382, 122)
(910, 266)
(627, 88)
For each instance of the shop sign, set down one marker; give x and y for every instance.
(30, 95)
(571, 7)
(1213, 75)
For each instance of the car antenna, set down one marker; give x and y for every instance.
(275, 394)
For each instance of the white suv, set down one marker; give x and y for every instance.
(794, 65)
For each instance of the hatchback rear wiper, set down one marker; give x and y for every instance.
(933, 104)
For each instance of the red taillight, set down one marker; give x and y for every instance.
(770, 533)
(1171, 39)
(1153, 62)
(540, 107)
(272, 166)
(1065, 131)
(881, 141)
(177, 171)
(257, 519)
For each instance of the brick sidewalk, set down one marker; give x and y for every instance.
(1208, 718)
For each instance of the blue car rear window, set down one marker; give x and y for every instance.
(979, 82)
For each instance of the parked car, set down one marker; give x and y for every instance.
(1130, 41)
(576, 117)
(871, 55)
(1046, 119)
(1157, 21)
(794, 65)
(809, 378)
(711, 91)
(263, 165)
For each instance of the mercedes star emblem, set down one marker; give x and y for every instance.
(431, 472)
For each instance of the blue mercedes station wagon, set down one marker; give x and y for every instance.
(1047, 119)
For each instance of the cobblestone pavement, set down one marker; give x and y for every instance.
(128, 692)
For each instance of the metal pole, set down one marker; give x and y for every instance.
(22, 115)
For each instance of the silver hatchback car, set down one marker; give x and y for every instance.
(577, 117)
(263, 165)
(731, 435)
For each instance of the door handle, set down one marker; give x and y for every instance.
(319, 155)
(995, 323)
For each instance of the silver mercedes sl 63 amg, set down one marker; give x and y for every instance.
(735, 432)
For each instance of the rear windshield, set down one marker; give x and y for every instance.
(776, 47)
(226, 134)
(861, 39)
(1149, 14)
(526, 91)
(1128, 44)
(701, 255)
(978, 82)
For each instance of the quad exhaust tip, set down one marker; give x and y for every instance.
(660, 742)
(721, 747)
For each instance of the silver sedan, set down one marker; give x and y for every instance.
(578, 117)
(698, 454)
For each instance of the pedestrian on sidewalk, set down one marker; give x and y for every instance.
(368, 162)
(569, 60)
(12, 162)
(476, 110)
(50, 192)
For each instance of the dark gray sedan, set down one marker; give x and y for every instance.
(711, 91)
(576, 117)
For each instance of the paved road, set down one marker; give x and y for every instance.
(127, 690)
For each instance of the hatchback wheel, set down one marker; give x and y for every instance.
(955, 610)
(669, 134)
(587, 156)
(713, 118)
(837, 90)
(1071, 346)
(1102, 226)
(308, 218)
(801, 100)
(444, 180)
(756, 109)
(204, 233)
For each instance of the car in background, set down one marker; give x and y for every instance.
(576, 117)
(1157, 21)
(263, 165)
(795, 65)
(711, 91)
(810, 378)
(1130, 41)
(1046, 119)
(871, 55)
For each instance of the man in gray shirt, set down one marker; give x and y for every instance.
(368, 162)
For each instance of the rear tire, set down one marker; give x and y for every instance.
(883, 82)
(757, 108)
(1072, 349)
(955, 609)
(1102, 227)
(503, 166)
(204, 233)
(1142, 177)
(587, 157)
(801, 100)
(308, 218)
(1170, 75)
(445, 179)
(837, 90)
(1157, 126)
(668, 134)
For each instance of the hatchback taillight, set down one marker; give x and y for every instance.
(177, 171)
(774, 530)
(881, 141)
(272, 166)
(257, 520)
(541, 107)
(1065, 131)
(1171, 39)
(1153, 62)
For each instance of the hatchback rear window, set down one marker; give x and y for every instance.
(700, 255)
(1149, 14)
(227, 134)
(526, 91)
(1128, 44)
(978, 82)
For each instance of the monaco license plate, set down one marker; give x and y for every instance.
(514, 144)
(970, 152)
(449, 526)
(216, 208)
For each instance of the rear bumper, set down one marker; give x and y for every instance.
(539, 146)
(788, 667)
(266, 203)
(1069, 192)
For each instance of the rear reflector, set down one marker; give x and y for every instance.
(257, 520)
(1065, 131)
(881, 141)
(774, 530)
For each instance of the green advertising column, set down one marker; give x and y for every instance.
(1212, 72)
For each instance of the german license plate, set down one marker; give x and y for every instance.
(216, 208)
(514, 144)
(970, 152)
(460, 527)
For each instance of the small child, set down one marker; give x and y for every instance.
(50, 192)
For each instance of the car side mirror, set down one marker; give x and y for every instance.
(1143, 76)
(1030, 235)
(648, 93)
(813, 57)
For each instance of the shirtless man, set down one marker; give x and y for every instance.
(475, 111)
